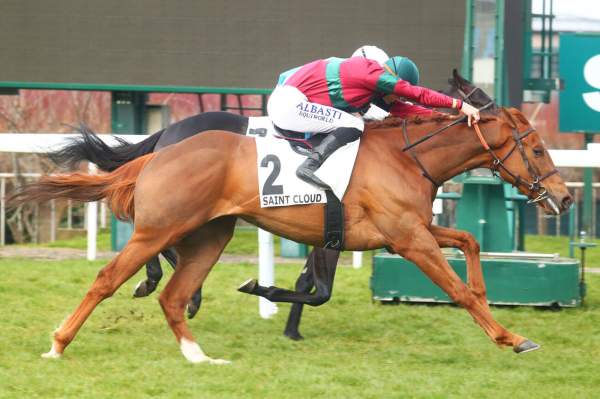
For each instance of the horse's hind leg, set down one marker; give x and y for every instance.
(153, 275)
(138, 250)
(198, 252)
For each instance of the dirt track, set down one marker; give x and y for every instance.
(16, 251)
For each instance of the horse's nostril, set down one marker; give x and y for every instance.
(567, 201)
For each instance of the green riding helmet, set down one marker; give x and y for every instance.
(403, 68)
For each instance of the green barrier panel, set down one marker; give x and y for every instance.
(292, 249)
(120, 233)
(509, 281)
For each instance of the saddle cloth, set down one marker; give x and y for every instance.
(277, 162)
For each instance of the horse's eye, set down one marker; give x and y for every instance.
(538, 152)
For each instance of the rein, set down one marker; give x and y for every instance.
(409, 146)
(497, 164)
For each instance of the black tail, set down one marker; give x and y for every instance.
(88, 147)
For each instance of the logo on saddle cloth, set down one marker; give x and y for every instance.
(277, 162)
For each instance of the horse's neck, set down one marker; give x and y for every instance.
(454, 151)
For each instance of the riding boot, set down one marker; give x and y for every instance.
(333, 141)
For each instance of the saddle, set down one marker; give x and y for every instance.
(298, 141)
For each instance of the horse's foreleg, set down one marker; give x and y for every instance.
(320, 266)
(451, 238)
(422, 249)
(198, 252)
(138, 250)
(323, 275)
(304, 284)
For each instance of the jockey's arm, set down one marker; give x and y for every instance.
(385, 83)
(397, 107)
(424, 96)
(403, 109)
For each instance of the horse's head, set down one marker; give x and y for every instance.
(462, 88)
(524, 161)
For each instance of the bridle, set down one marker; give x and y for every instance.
(473, 91)
(498, 163)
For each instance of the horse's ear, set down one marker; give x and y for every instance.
(518, 116)
(508, 117)
(458, 78)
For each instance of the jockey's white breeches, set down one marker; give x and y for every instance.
(289, 109)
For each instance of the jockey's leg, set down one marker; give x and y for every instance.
(332, 142)
(289, 109)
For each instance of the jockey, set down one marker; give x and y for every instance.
(320, 96)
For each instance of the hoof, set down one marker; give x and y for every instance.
(144, 288)
(293, 335)
(526, 346)
(192, 309)
(192, 352)
(52, 353)
(248, 286)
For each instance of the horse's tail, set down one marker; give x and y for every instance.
(89, 147)
(117, 186)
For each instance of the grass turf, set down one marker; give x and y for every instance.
(245, 242)
(354, 348)
(560, 245)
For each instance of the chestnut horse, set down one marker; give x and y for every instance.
(212, 179)
(319, 271)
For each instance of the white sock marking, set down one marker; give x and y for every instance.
(52, 354)
(194, 354)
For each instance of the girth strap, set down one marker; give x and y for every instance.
(334, 222)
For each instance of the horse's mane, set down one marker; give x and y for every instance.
(436, 117)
